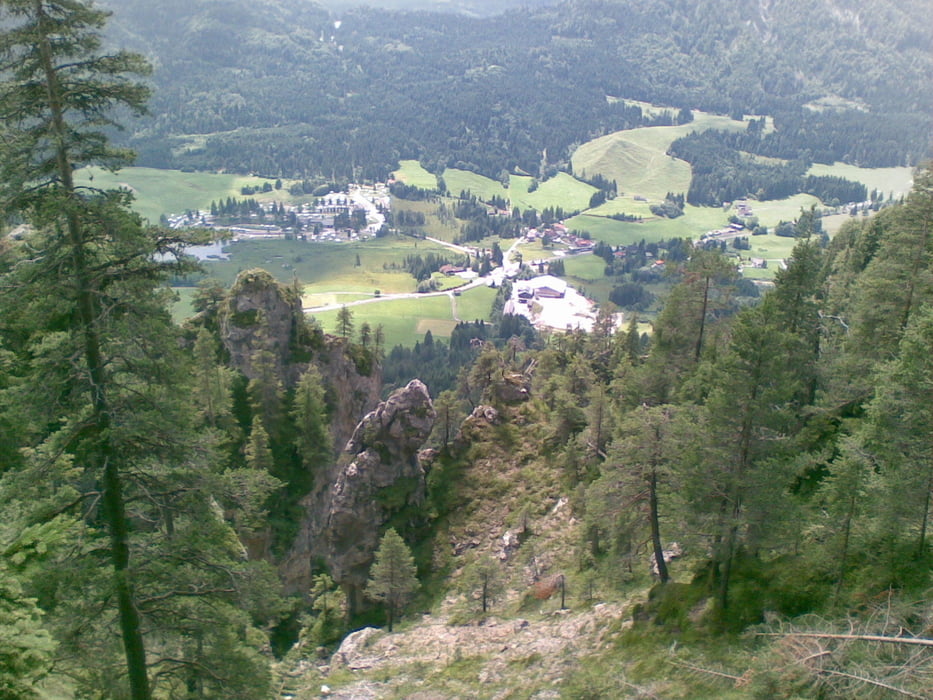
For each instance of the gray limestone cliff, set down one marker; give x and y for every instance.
(381, 471)
(260, 314)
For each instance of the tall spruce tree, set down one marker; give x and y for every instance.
(97, 389)
(392, 578)
(57, 92)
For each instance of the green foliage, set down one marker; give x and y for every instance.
(325, 625)
(392, 577)
(26, 647)
(512, 95)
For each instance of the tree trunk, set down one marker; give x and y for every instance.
(655, 526)
(921, 542)
(114, 506)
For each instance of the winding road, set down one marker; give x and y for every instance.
(497, 275)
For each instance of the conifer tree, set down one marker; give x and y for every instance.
(99, 388)
(392, 578)
(313, 438)
(56, 95)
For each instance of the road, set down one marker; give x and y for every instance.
(496, 276)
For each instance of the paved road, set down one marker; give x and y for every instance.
(496, 276)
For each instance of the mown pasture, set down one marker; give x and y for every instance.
(562, 190)
(157, 192)
(695, 222)
(483, 187)
(405, 321)
(889, 181)
(637, 158)
(328, 275)
(412, 174)
(329, 267)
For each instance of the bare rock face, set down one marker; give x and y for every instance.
(379, 472)
(514, 388)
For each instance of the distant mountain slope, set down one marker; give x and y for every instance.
(284, 88)
(475, 8)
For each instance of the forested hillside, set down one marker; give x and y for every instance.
(287, 89)
(207, 510)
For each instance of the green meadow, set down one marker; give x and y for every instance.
(483, 187)
(772, 212)
(159, 192)
(888, 181)
(328, 274)
(405, 321)
(695, 222)
(443, 228)
(637, 158)
(411, 173)
(329, 267)
(562, 190)
(585, 273)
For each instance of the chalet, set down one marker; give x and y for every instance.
(452, 269)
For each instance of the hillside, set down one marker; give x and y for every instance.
(287, 89)
(734, 502)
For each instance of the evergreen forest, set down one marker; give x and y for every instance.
(736, 504)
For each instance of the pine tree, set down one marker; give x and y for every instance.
(99, 388)
(58, 93)
(258, 453)
(313, 438)
(345, 321)
(740, 483)
(483, 580)
(899, 435)
(392, 578)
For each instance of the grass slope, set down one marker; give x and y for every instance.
(637, 158)
(160, 192)
(411, 173)
(562, 190)
(483, 187)
(405, 321)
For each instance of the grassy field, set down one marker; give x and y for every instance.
(562, 190)
(772, 212)
(182, 308)
(695, 222)
(637, 158)
(411, 173)
(770, 247)
(328, 274)
(483, 187)
(160, 192)
(323, 268)
(443, 229)
(405, 321)
(893, 181)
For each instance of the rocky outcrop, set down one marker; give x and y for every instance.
(261, 314)
(380, 472)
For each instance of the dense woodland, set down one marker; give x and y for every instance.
(278, 89)
(785, 442)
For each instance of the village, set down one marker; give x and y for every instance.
(356, 214)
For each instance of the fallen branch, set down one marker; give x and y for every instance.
(706, 670)
(918, 641)
(872, 681)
